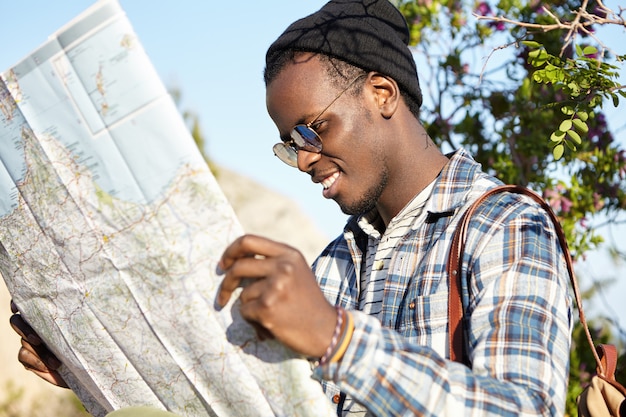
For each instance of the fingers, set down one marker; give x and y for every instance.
(281, 299)
(37, 356)
(33, 354)
(247, 257)
(246, 268)
(258, 299)
(42, 362)
(249, 246)
(30, 358)
(24, 330)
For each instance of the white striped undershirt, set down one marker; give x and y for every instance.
(380, 249)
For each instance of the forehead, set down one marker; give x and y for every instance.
(298, 92)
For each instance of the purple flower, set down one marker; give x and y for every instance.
(499, 26)
(484, 9)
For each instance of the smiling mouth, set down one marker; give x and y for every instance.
(330, 180)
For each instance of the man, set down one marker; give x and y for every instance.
(372, 313)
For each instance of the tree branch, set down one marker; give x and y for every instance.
(581, 22)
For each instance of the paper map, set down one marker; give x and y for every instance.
(111, 226)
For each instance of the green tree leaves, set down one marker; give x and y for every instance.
(584, 81)
(522, 84)
(569, 132)
(535, 116)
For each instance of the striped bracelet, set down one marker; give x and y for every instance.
(344, 341)
(333, 342)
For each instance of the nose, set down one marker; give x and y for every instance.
(306, 159)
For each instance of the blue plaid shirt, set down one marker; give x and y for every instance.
(517, 310)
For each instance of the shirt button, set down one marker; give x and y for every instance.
(336, 398)
(412, 305)
(378, 265)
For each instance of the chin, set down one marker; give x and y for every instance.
(357, 207)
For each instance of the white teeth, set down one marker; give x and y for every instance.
(328, 181)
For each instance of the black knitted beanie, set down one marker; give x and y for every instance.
(369, 34)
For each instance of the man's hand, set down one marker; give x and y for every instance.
(281, 298)
(33, 354)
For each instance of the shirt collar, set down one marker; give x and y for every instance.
(452, 190)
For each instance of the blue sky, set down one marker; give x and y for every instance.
(214, 52)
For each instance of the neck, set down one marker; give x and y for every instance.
(418, 161)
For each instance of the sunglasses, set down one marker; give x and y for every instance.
(304, 137)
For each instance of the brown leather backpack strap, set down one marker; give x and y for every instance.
(456, 340)
(455, 308)
(608, 358)
(456, 343)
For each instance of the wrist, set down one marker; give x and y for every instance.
(340, 340)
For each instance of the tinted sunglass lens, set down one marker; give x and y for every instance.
(306, 138)
(286, 154)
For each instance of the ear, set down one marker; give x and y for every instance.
(387, 93)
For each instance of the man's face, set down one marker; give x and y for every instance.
(352, 166)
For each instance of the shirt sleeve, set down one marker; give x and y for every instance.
(519, 327)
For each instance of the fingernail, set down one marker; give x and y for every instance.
(219, 270)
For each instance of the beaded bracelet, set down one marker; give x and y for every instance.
(333, 342)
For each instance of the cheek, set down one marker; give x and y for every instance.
(360, 133)
(365, 166)
(367, 147)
